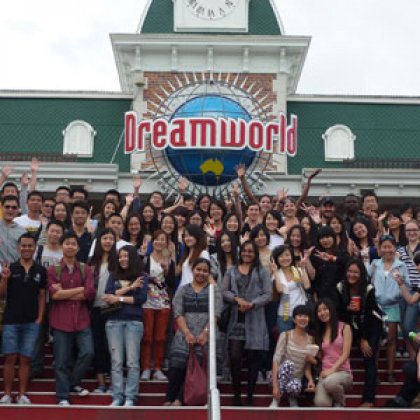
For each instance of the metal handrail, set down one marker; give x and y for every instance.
(214, 395)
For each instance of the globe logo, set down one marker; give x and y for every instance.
(210, 167)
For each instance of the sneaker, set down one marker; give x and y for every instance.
(23, 400)
(81, 392)
(101, 389)
(129, 403)
(274, 404)
(109, 390)
(64, 403)
(145, 376)
(6, 399)
(116, 403)
(260, 378)
(158, 375)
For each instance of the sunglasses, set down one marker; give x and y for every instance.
(10, 207)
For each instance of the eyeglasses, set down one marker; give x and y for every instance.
(10, 207)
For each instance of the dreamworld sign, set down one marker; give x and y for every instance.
(275, 136)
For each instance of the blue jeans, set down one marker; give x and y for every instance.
(20, 338)
(124, 339)
(67, 374)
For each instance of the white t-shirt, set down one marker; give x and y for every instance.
(187, 275)
(275, 240)
(30, 225)
(49, 256)
(102, 281)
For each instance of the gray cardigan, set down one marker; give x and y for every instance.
(259, 292)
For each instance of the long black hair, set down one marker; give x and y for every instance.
(320, 326)
(126, 234)
(149, 227)
(96, 259)
(135, 265)
(362, 286)
(256, 262)
(221, 255)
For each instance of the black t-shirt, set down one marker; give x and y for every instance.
(22, 293)
(85, 243)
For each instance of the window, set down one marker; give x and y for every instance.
(339, 143)
(78, 139)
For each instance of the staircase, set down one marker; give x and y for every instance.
(152, 395)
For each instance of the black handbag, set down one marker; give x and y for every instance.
(111, 309)
(224, 318)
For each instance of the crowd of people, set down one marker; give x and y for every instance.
(297, 287)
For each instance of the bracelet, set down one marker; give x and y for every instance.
(121, 299)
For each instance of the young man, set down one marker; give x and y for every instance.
(62, 194)
(46, 255)
(79, 194)
(70, 286)
(23, 284)
(326, 209)
(80, 215)
(32, 221)
(10, 231)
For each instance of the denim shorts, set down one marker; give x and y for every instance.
(20, 338)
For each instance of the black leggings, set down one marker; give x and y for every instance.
(236, 352)
(176, 380)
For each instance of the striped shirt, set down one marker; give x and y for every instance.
(406, 256)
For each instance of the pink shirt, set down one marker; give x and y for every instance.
(332, 351)
(71, 315)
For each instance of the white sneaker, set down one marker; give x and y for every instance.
(6, 399)
(260, 378)
(81, 392)
(129, 403)
(274, 404)
(23, 400)
(116, 403)
(158, 375)
(64, 403)
(101, 389)
(145, 376)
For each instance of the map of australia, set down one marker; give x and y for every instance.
(212, 165)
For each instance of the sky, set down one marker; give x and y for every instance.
(358, 47)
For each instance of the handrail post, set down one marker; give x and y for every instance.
(213, 397)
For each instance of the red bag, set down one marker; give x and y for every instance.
(195, 388)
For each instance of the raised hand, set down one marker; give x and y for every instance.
(34, 165)
(282, 194)
(240, 170)
(314, 173)
(6, 171)
(137, 183)
(5, 272)
(235, 189)
(183, 185)
(129, 198)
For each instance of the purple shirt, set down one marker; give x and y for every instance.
(70, 315)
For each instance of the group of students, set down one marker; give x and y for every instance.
(297, 287)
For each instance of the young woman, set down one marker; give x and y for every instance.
(190, 307)
(217, 214)
(195, 241)
(260, 235)
(247, 288)
(196, 217)
(393, 224)
(61, 213)
(337, 224)
(272, 221)
(266, 204)
(108, 207)
(156, 310)
(150, 221)
(365, 247)
(410, 312)
(169, 225)
(126, 287)
(290, 363)
(298, 241)
(103, 262)
(133, 232)
(289, 216)
(358, 308)
(383, 272)
(227, 251)
(181, 215)
(334, 339)
(291, 283)
(203, 203)
(326, 265)
(233, 224)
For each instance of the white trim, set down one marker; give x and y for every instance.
(63, 94)
(347, 144)
(278, 17)
(89, 139)
(410, 100)
(143, 16)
